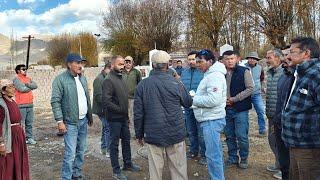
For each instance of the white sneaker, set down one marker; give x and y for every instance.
(107, 154)
(272, 168)
(278, 175)
(31, 141)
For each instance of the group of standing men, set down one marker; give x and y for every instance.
(216, 96)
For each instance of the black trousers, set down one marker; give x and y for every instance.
(283, 152)
(120, 130)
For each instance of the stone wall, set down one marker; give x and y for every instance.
(44, 79)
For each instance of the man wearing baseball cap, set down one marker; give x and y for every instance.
(71, 108)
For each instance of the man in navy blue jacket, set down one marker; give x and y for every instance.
(191, 78)
(158, 119)
(301, 117)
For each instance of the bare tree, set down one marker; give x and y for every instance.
(207, 19)
(133, 27)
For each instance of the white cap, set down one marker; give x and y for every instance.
(160, 57)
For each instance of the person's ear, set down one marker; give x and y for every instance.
(307, 53)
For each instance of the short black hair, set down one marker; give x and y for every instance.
(18, 67)
(308, 43)
(231, 52)
(206, 54)
(285, 47)
(192, 52)
(179, 61)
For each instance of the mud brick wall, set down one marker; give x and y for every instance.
(44, 78)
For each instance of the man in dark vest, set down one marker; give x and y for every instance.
(239, 89)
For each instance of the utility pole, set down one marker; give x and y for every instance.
(28, 52)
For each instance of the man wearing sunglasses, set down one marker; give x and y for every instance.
(24, 98)
(131, 77)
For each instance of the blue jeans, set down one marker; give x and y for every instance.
(211, 133)
(75, 141)
(27, 115)
(195, 134)
(105, 134)
(236, 132)
(260, 110)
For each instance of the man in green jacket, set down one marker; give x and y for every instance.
(71, 108)
(131, 77)
(98, 110)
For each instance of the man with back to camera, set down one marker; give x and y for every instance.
(158, 119)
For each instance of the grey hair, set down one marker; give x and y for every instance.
(159, 66)
(278, 53)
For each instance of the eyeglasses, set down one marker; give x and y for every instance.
(295, 52)
(127, 61)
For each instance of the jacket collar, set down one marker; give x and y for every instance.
(305, 66)
(69, 73)
(113, 72)
(275, 70)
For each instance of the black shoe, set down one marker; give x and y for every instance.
(229, 163)
(243, 164)
(60, 133)
(119, 176)
(191, 155)
(132, 168)
(77, 178)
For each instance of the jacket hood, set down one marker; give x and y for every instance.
(217, 67)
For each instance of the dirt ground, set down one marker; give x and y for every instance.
(46, 155)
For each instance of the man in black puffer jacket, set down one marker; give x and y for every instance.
(159, 121)
(115, 104)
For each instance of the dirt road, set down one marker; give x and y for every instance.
(46, 156)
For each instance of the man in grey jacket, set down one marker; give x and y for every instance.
(209, 109)
(24, 98)
(274, 59)
(71, 108)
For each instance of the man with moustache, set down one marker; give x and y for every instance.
(191, 78)
(71, 108)
(301, 117)
(283, 87)
(274, 58)
(115, 104)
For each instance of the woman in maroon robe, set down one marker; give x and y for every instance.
(14, 162)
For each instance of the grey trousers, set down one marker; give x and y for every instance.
(27, 120)
(272, 141)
